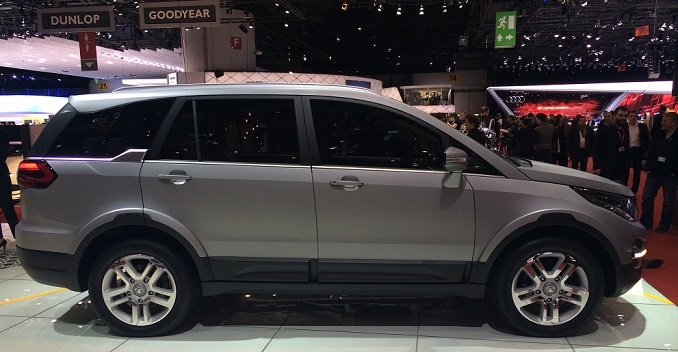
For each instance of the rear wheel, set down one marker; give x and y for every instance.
(141, 288)
(548, 287)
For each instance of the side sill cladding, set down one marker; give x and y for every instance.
(482, 270)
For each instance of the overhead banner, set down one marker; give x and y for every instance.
(76, 19)
(505, 30)
(204, 13)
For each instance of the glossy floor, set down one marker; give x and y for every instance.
(35, 317)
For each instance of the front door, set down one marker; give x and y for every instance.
(383, 214)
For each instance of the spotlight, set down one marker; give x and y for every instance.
(380, 8)
(344, 5)
(399, 11)
(250, 24)
(421, 10)
(444, 8)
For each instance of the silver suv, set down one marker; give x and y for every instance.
(150, 197)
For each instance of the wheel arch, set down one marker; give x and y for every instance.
(559, 225)
(136, 226)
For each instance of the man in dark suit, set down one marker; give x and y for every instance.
(611, 148)
(639, 138)
(657, 120)
(560, 140)
(580, 143)
(662, 171)
(6, 202)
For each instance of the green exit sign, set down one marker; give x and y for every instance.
(505, 30)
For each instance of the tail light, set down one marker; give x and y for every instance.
(35, 174)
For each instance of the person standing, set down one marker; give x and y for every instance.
(662, 171)
(611, 148)
(6, 201)
(580, 143)
(639, 137)
(525, 138)
(657, 120)
(484, 117)
(472, 130)
(560, 140)
(545, 132)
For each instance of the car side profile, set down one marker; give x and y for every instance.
(151, 197)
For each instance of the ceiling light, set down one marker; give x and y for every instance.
(286, 25)
(421, 10)
(399, 11)
(556, 35)
(344, 5)
(380, 8)
(250, 24)
(584, 3)
(444, 8)
(277, 3)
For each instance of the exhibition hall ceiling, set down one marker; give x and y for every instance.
(365, 37)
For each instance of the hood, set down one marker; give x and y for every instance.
(545, 172)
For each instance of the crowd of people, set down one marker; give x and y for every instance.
(619, 145)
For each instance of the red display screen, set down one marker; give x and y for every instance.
(569, 104)
(649, 103)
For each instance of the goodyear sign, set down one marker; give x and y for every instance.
(179, 14)
(76, 19)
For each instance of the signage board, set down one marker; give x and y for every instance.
(89, 65)
(203, 13)
(505, 30)
(88, 45)
(236, 43)
(76, 19)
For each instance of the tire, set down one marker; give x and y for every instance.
(142, 288)
(548, 287)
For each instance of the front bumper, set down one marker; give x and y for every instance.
(61, 270)
(632, 272)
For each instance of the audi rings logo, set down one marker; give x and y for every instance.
(515, 99)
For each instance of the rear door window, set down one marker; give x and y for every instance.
(261, 130)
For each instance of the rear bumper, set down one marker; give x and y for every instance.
(49, 268)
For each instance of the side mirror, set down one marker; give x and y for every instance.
(456, 161)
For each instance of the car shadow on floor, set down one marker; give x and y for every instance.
(344, 312)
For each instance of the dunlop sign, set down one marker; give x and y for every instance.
(76, 19)
(204, 13)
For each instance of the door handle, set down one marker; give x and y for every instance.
(176, 177)
(348, 183)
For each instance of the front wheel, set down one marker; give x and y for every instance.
(141, 288)
(548, 287)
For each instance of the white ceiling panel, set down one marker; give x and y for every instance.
(62, 56)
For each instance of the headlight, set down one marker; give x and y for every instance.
(621, 205)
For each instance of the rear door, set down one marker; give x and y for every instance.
(231, 175)
(383, 214)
